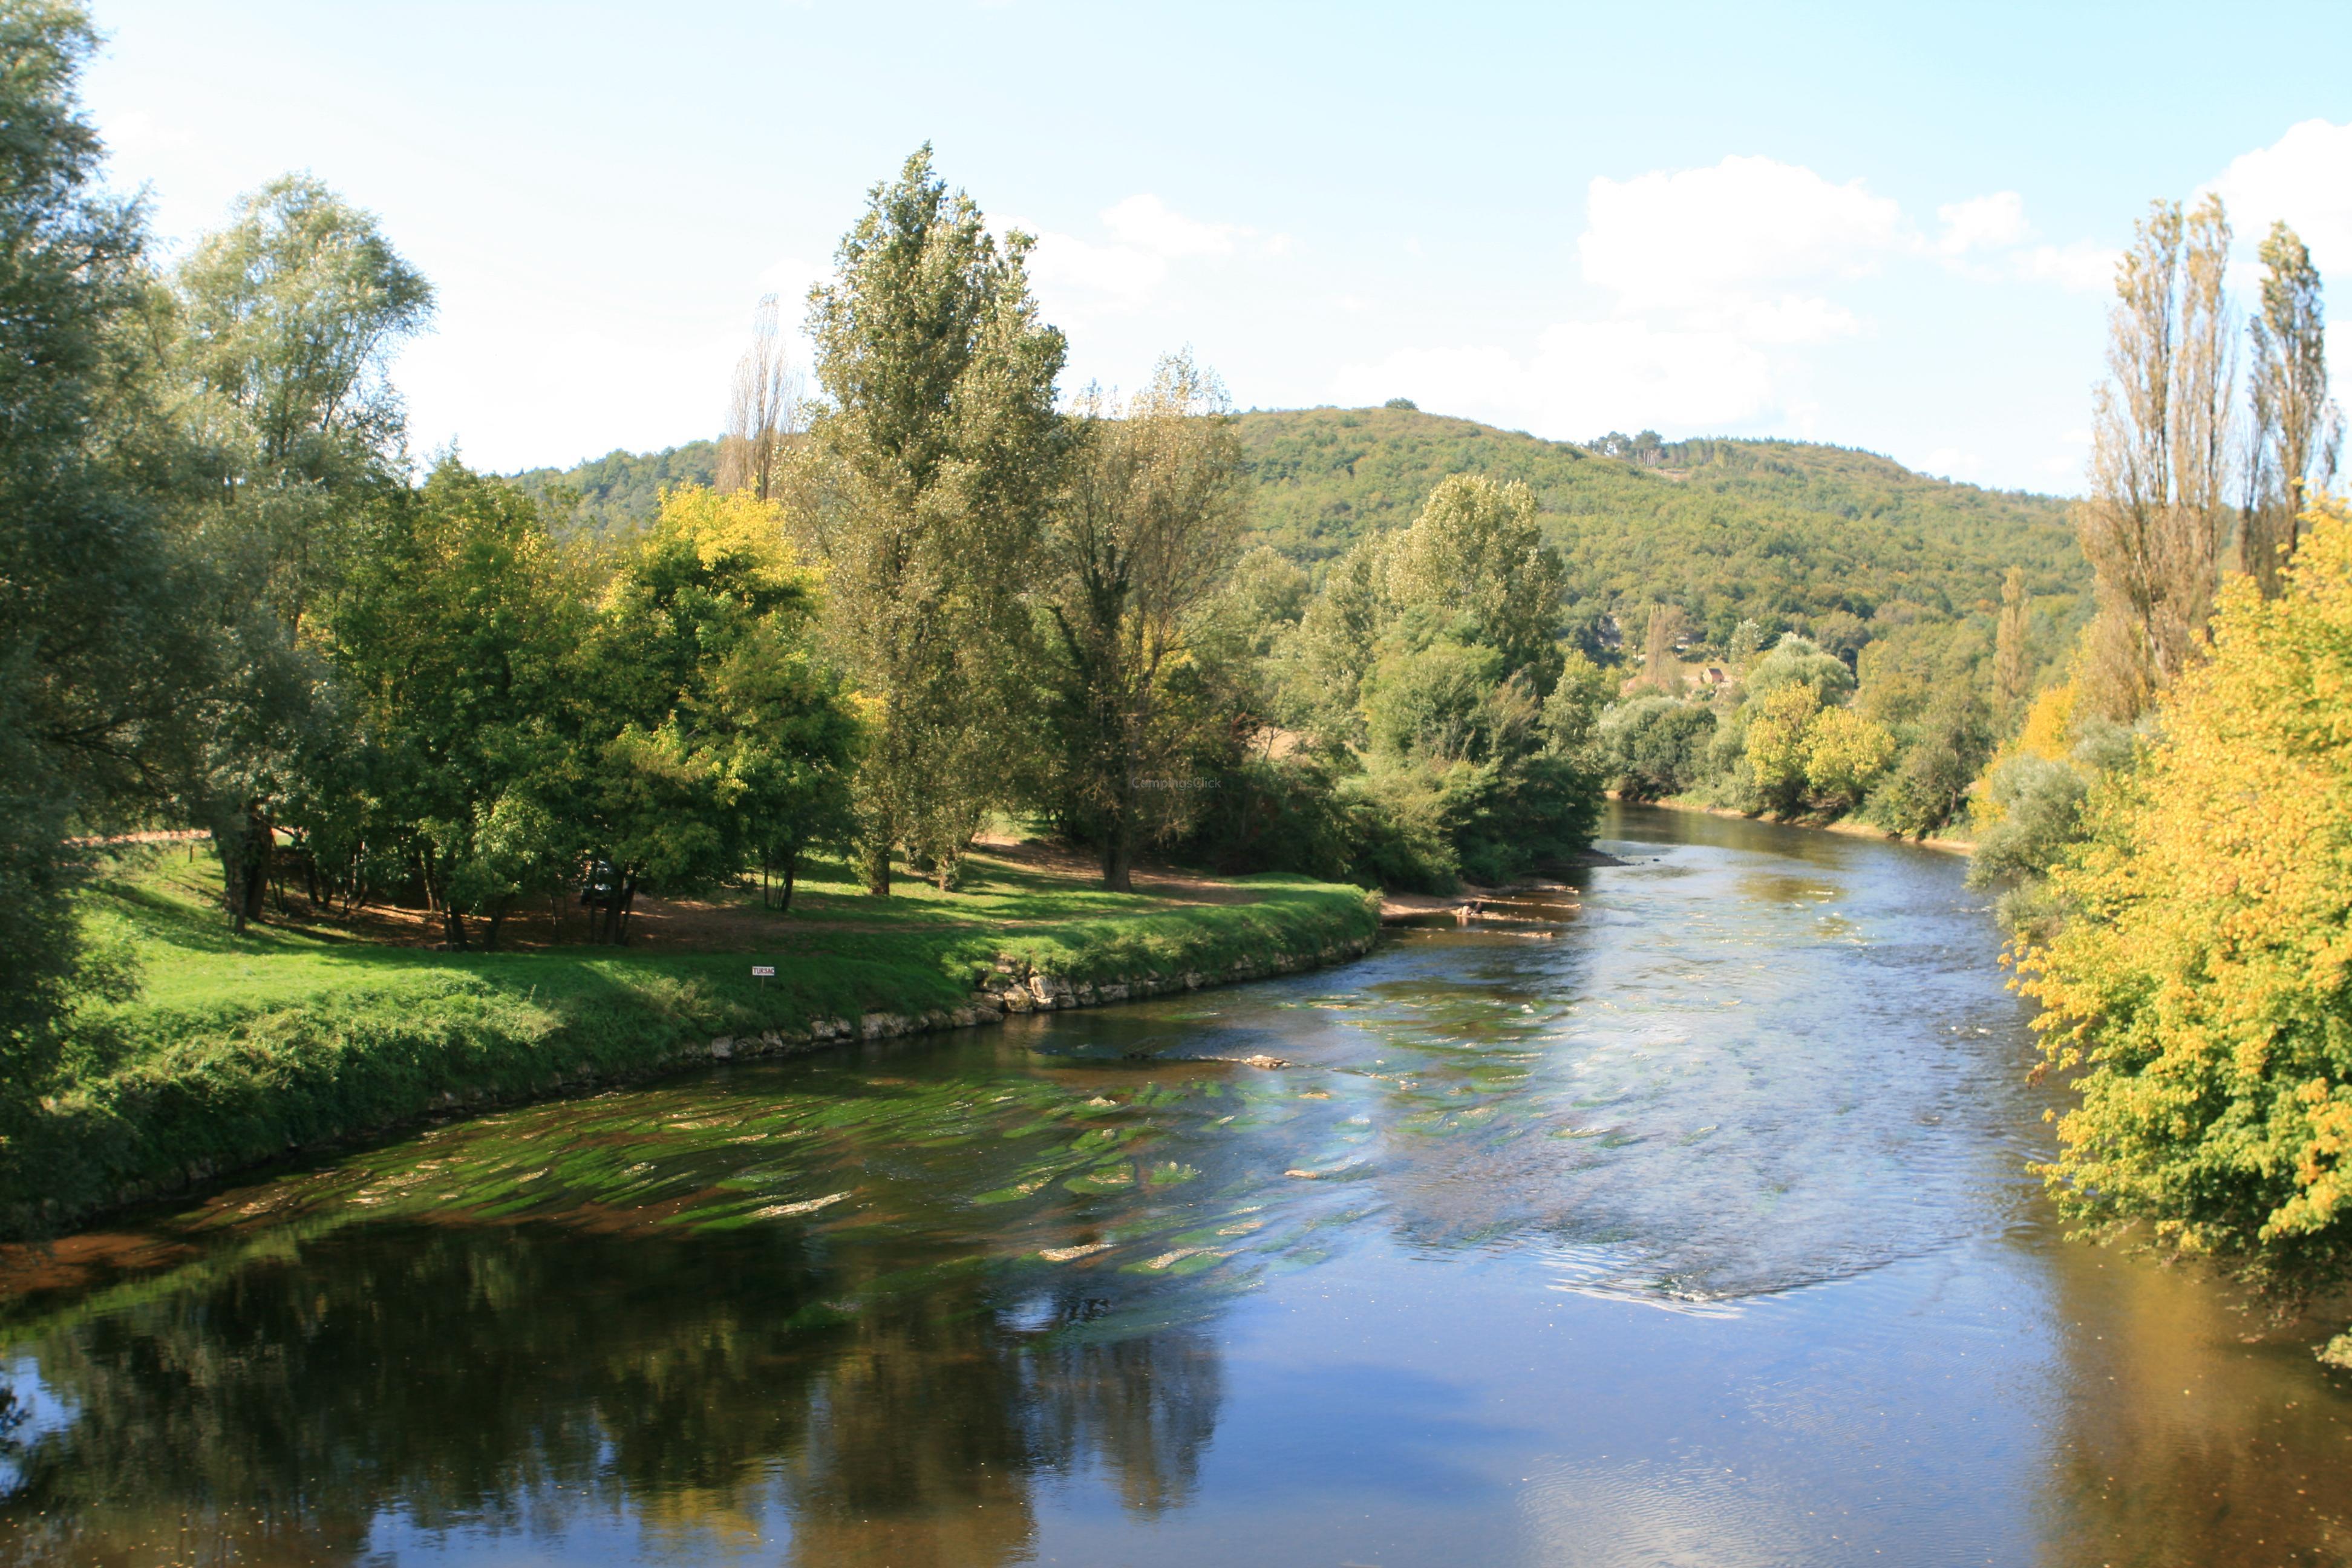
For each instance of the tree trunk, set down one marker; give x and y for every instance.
(616, 924)
(258, 841)
(230, 847)
(454, 923)
(791, 874)
(1118, 859)
(244, 852)
(878, 863)
(490, 926)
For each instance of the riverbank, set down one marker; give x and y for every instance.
(238, 1050)
(1845, 825)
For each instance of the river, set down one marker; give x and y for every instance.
(1696, 1232)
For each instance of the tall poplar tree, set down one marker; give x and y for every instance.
(945, 449)
(2295, 426)
(2008, 670)
(2161, 455)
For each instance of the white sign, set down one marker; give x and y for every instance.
(763, 971)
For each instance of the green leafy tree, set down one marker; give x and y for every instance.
(96, 657)
(1844, 755)
(945, 450)
(1655, 746)
(2039, 801)
(1444, 642)
(451, 633)
(1136, 547)
(287, 321)
(1929, 784)
(1478, 553)
(711, 736)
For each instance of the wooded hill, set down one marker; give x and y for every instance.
(1783, 530)
(1725, 528)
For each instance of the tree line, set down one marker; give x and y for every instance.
(933, 589)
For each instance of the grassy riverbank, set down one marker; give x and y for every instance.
(236, 1049)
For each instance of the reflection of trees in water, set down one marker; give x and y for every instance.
(511, 1378)
(2179, 1444)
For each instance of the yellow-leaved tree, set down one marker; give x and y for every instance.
(2200, 997)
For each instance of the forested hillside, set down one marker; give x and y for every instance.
(1726, 529)
(1770, 530)
(622, 490)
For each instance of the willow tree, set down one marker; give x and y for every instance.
(1146, 531)
(290, 317)
(2161, 455)
(945, 449)
(2292, 449)
(92, 655)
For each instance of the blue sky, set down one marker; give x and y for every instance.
(1886, 226)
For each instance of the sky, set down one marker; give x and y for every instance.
(1885, 226)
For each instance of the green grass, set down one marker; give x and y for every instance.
(239, 1048)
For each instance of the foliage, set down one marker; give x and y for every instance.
(620, 493)
(1433, 659)
(1780, 532)
(452, 634)
(1775, 531)
(1779, 722)
(285, 321)
(2161, 450)
(2294, 428)
(1844, 755)
(2037, 806)
(2197, 999)
(711, 736)
(1136, 548)
(1656, 746)
(944, 447)
(96, 654)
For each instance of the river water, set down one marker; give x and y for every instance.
(1697, 1233)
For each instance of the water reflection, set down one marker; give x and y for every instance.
(1098, 1287)
(496, 1382)
(2195, 1431)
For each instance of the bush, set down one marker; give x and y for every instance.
(1655, 746)
(2197, 995)
(1844, 752)
(2040, 810)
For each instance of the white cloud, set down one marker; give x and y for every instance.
(2081, 268)
(1954, 463)
(1984, 223)
(1716, 280)
(2304, 177)
(1148, 223)
(1579, 378)
(1146, 236)
(1712, 274)
(141, 132)
(1793, 319)
(1688, 239)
